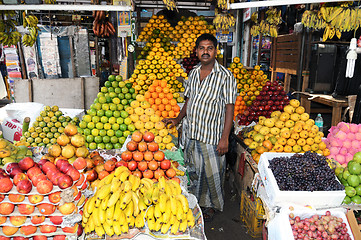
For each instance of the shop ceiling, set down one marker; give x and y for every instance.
(185, 4)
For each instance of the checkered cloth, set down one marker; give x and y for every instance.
(206, 172)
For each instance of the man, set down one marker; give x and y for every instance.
(210, 93)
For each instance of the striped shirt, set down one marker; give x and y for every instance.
(207, 103)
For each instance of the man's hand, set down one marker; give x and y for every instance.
(172, 121)
(222, 147)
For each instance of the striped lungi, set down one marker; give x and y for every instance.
(206, 171)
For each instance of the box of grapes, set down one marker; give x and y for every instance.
(303, 179)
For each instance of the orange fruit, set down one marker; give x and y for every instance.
(155, 107)
(148, 95)
(171, 113)
(173, 102)
(159, 113)
(158, 101)
(164, 114)
(151, 89)
(161, 107)
(168, 107)
(176, 108)
(166, 90)
(161, 95)
(163, 83)
(165, 101)
(158, 89)
(155, 95)
(169, 96)
(151, 101)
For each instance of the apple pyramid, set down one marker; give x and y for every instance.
(270, 99)
(105, 125)
(289, 131)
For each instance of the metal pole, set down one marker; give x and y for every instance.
(300, 65)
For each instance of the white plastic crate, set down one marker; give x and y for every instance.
(276, 197)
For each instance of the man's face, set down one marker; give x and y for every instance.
(206, 52)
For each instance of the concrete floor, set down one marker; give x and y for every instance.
(227, 224)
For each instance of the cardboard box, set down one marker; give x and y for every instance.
(316, 199)
(353, 224)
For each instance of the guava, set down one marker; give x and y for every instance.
(353, 180)
(350, 191)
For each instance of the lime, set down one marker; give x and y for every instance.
(107, 84)
(121, 96)
(100, 94)
(53, 140)
(101, 146)
(62, 118)
(107, 126)
(104, 89)
(99, 125)
(108, 146)
(96, 100)
(90, 138)
(120, 107)
(356, 199)
(92, 145)
(97, 106)
(106, 139)
(123, 127)
(128, 96)
(357, 157)
(95, 132)
(110, 89)
(125, 90)
(355, 168)
(61, 129)
(46, 129)
(124, 114)
(40, 124)
(120, 120)
(124, 102)
(117, 90)
(112, 78)
(105, 107)
(50, 135)
(104, 119)
(339, 170)
(30, 140)
(115, 126)
(113, 139)
(109, 99)
(347, 200)
(134, 95)
(102, 100)
(118, 78)
(91, 112)
(345, 174)
(131, 90)
(100, 113)
(131, 127)
(116, 114)
(110, 133)
(102, 132)
(118, 133)
(108, 113)
(117, 146)
(127, 121)
(95, 119)
(353, 180)
(129, 85)
(114, 85)
(126, 133)
(50, 124)
(112, 120)
(98, 139)
(82, 124)
(91, 125)
(121, 84)
(112, 107)
(122, 140)
(350, 191)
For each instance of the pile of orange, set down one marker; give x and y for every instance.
(239, 106)
(155, 22)
(249, 81)
(161, 99)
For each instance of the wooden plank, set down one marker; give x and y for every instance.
(286, 70)
(289, 45)
(281, 52)
(289, 65)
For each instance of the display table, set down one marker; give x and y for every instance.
(336, 104)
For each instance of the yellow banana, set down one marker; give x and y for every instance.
(163, 202)
(109, 213)
(104, 191)
(190, 218)
(114, 198)
(155, 194)
(126, 200)
(161, 183)
(117, 211)
(104, 203)
(128, 211)
(168, 212)
(109, 178)
(97, 202)
(139, 220)
(131, 222)
(165, 227)
(173, 204)
(335, 13)
(125, 228)
(101, 214)
(146, 182)
(168, 189)
(135, 200)
(157, 212)
(85, 209)
(141, 205)
(150, 213)
(135, 183)
(180, 211)
(96, 218)
(175, 227)
(120, 170)
(115, 184)
(126, 186)
(183, 200)
(183, 226)
(122, 218)
(177, 189)
(84, 219)
(158, 224)
(91, 205)
(151, 224)
(124, 176)
(108, 229)
(86, 229)
(148, 196)
(117, 228)
(99, 230)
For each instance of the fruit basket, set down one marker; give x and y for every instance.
(276, 197)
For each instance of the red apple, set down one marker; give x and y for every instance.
(33, 172)
(60, 161)
(2, 196)
(81, 180)
(65, 167)
(26, 163)
(132, 165)
(73, 173)
(46, 208)
(65, 181)
(42, 162)
(37, 219)
(17, 220)
(54, 177)
(47, 228)
(79, 163)
(39, 237)
(10, 166)
(70, 229)
(5, 185)
(37, 178)
(48, 166)
(165, 164)
(80, 230)
(57, 220)
(26, 209)
(35, 199)
(84, 186)
(19, 238)
(16, 197)
(15, 171)
(24, 186)
(6, 208)
(67, 208)
(28, 230)
(44, 187)
(4, 238)
(91, 175)
(59, 237)
(55, 197)
(18, 177)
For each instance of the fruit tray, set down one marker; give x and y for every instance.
(276, 197)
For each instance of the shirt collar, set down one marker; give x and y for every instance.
(216, 67)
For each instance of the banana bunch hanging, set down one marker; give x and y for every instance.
(268, 26)
(170, 4)
(31, 23)
(49, 1)
(224, 21)
(222, 4)
(333, 19)
(9, 35)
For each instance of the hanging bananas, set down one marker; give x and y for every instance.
(31, 23)
(8, 13)
(170, 4)
(222, 4)
(223, 21)
(102, 27)
(9, 35)
(268, 26)
(49, 1)
(334, 20)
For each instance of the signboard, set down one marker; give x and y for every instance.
(124, 21)
(225, 38)
(246, 14)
